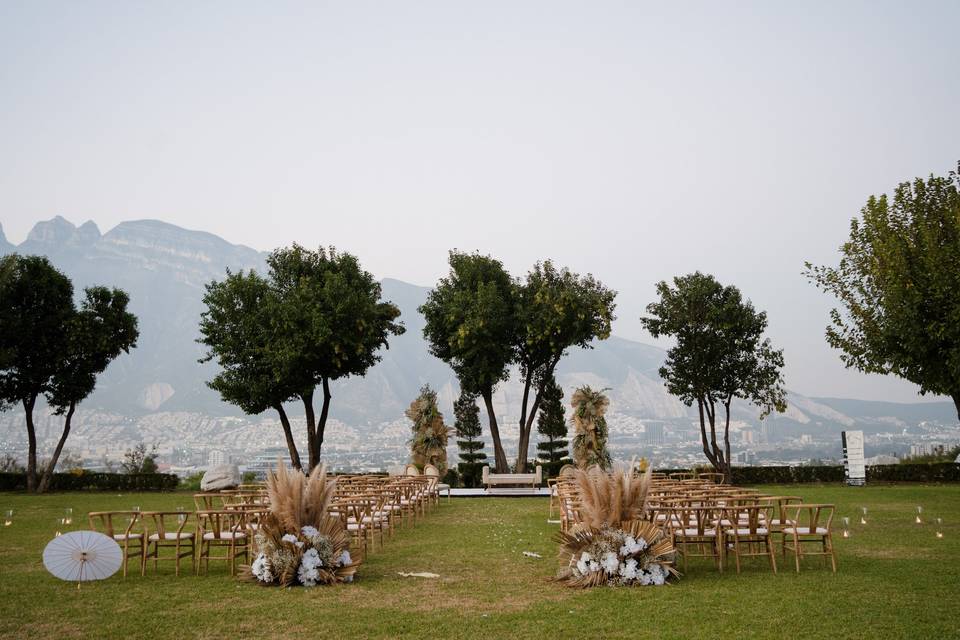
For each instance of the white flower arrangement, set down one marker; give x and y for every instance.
(641, 555)
(309, 558)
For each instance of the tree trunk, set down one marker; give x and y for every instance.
(288, 434)
(52, 465)
(526, 429)
(527, 420)
(499, 457)
(312, 456)
(524, 440)
(727, 471)
(324, 412)
(956, 403)
(28, 404)
(703, 435)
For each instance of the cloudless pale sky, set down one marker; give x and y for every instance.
(632, 140)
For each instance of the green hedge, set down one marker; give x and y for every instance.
(96, 481)
(932, 472)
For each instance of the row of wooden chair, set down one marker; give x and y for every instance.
(708, 519)
(369, 506)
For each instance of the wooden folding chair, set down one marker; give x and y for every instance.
(167, 535)
(696, 528)
(222, 529)
(811, 524)
(745, 533)
(130, 535)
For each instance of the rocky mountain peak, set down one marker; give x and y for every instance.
(5, 246)
(56, 231)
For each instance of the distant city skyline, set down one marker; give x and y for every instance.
(635, 142)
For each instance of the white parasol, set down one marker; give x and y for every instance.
(82, 555)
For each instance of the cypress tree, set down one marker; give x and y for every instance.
(467, 425)
(552, 425)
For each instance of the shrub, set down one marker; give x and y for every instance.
(937, 472)
(90, 481)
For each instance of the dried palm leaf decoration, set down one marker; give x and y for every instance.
(299, 542)
(614, 545)
(590, 428)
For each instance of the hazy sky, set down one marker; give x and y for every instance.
(634, 141)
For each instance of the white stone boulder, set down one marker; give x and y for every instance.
(222, 476)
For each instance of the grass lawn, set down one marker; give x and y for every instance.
(895, 580)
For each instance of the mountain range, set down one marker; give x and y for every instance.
(164, 269)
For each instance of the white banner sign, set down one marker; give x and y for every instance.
(854, 466)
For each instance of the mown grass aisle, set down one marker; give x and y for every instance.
(895, 580)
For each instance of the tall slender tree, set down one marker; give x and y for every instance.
(471, 325)
(556, 309)
(898, 283)
(49, 348)
(467, 425)
(720, 355)
(552, 425)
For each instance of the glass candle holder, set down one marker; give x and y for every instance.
(68, 516)
(136, 508)
(919, 519)
(863, 515)
(59, 531)
(846, 526)
(939, 528)
(8, 517)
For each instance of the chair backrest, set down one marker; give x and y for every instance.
(748, 519)
(209, 501)
(431, 470)
(692, 520)
(220, 522)
(715, 478)
(126, 521)
(411, 470)
(810, 517)
(165, 522)
(567, 470)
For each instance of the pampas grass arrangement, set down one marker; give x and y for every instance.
(298, 542)
(590, 428)
(430, 434)
(613, 544)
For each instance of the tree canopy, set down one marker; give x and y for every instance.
(317, 317)
(50, 348)
(898, 283)
(470, 324)
(556, 310)
(720, 354)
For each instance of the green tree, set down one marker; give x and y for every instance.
(321, 319)
(429, 442)
(239, 327)
(471, 325)
(898, 283)
(556, 310)
(720, 354)
(552, 425)
(138, 460)
(467, 426)
(52, 349)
